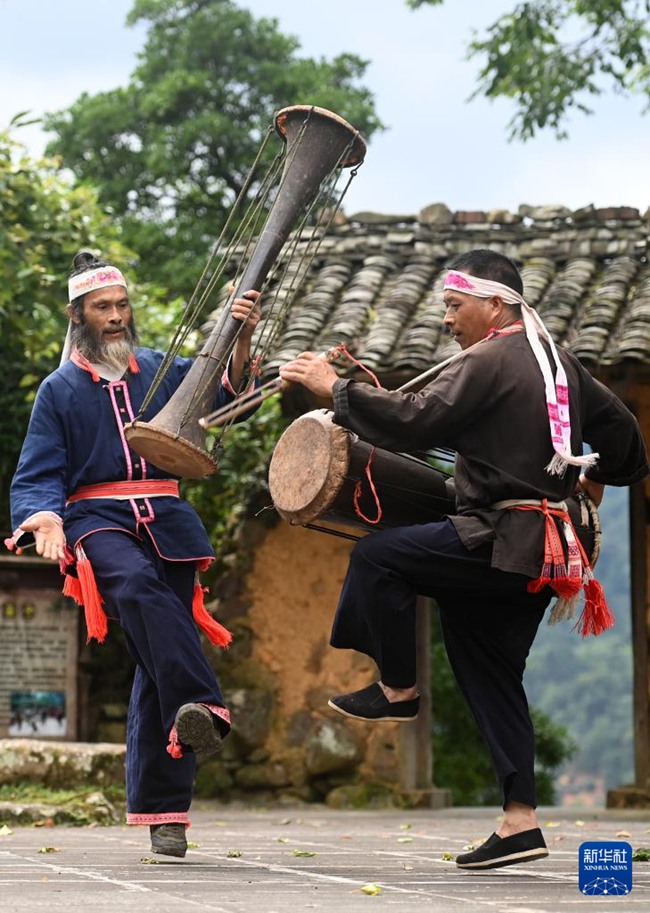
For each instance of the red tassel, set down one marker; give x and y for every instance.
(72, 588)
(96, 621)
(174, 748)
(216, 633)
(536, 586)
(596, 615)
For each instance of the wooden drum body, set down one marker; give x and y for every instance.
(317, 464)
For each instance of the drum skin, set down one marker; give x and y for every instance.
(317, 465)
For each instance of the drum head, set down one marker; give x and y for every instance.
(308, 467)
(169, 451)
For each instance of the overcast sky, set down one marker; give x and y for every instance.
(439, 147)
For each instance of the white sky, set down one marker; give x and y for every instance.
(439, 147)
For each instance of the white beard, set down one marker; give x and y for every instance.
(115, 355)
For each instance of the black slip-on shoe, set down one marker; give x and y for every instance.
(498, 851)
(196, 730)
(372, 704)
(168, 839)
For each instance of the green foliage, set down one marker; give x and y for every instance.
(461, 762)
(171, 152)
(239, 489)
(551, 56)
(44, 220)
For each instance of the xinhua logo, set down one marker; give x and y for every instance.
(605, 867)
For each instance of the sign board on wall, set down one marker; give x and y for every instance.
(38, 664)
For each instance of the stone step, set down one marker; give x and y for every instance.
(62, 765)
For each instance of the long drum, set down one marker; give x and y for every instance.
(316, 466)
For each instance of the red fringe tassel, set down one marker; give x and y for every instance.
(596, 615)
(83, 589)
(215, 632)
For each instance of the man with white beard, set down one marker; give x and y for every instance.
(130, 547)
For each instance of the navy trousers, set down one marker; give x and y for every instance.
(488, 620)
(152, 599)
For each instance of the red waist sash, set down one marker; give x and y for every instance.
(144, 488)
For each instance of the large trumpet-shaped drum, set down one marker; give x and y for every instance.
(318, 466)
(317, 142)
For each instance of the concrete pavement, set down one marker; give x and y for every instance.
(310, 859)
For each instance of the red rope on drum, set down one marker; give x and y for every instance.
(341, 348)
(358, 492)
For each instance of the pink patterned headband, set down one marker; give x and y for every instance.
(482, 288)
(92, 279)
(557, 389)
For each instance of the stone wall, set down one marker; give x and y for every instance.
(278, 676)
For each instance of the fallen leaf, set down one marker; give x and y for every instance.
(371, 888)
(407, 867)
(579, 823)
(623, 834)
(302, 853)
(49, 849)
(552, 824)
(473, 844)
(642, 854)
(5, 831)
(447, 857)
(192, 846)
(147, 860)
(405, 827)
(282, 839)
(405, 840)
(234, 854)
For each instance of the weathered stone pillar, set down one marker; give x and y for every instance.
(415, 739)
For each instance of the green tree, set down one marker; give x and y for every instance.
(44, 220)
(171, 152)
(552, 56)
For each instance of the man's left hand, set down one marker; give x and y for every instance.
(249, 311)
(594, 489)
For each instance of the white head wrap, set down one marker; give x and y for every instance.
(92, 279)
(81, 284)
(557, 390)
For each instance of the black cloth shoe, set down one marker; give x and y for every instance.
(196, 730)
(498, 851)
(372, 704)
(168, 839)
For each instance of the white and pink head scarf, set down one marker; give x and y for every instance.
(92, 279)
(557, 390)
(89, 281)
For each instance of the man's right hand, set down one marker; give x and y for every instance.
(48, 535)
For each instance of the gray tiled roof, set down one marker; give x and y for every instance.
(375, 284)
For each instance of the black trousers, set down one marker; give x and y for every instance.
(489, 622)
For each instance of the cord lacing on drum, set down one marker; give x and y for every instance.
(358, 488)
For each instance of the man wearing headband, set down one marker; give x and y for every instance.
(516, 411)
(130, 547)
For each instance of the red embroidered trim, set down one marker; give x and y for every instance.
(82, 362)
(515, 327)
(160, 818)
